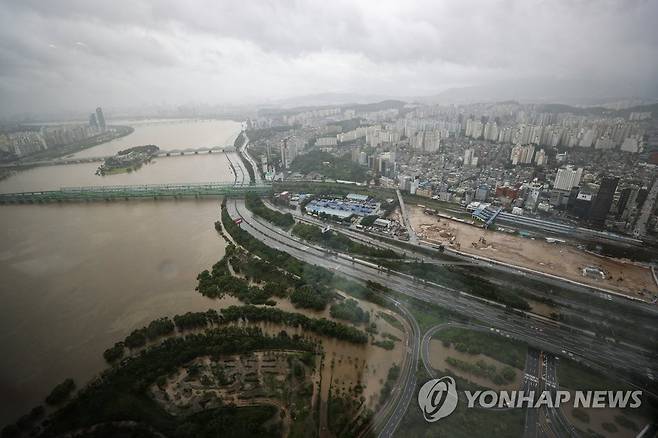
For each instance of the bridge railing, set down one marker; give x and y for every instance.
(171, 186)
(137, 191)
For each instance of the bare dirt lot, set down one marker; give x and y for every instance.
(557, 259)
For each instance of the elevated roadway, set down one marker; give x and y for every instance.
(532, 328)
(543, 333)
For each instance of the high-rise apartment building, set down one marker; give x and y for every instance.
(469, 158)
(540, 158)
(522, 154)
(567, 178)
(285, 154)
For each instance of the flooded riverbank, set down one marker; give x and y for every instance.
(78, 277)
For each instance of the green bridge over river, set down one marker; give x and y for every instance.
(155, 191)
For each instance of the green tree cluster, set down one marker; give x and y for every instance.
(256, 205)
(457, 278)
(61, 392)
(332, 167)
(483, 369)
(339, 242)
(319, 326)
(349, 310)
(312, 284)
(473, 342)
(196, 320)
(386, 344)
(120, 393)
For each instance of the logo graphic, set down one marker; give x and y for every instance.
(438, 398)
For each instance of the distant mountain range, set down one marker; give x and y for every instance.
(327, 99)
(547, 90)
(350, 104)
(591, 97)
(572, 92)
(399, 104)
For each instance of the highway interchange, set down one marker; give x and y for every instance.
(542, 334)
(548, 337)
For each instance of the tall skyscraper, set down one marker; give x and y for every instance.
(603, 201)
(100, 118)
(626, 202)
(582, 205)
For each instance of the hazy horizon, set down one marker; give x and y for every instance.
(71, 56)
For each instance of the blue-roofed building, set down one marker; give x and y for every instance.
(337, 213)
(487, 214)
(343, 209)
(357, 197)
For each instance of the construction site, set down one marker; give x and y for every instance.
(547, 255)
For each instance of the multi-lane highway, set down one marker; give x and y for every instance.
(544, 334)
(531, 375)
(554, 422)
(240, 176)
(584, 303)
(588, 291)
(429, 334)
(585, 307)
(387, 420)
(244, 151)
(540, 373)
(550, 334)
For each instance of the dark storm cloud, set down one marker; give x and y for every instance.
(79, 53)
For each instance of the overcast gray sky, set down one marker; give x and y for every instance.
(74, 54)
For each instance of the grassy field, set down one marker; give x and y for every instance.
(463, 422)
(503, 350)
(573, 375)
